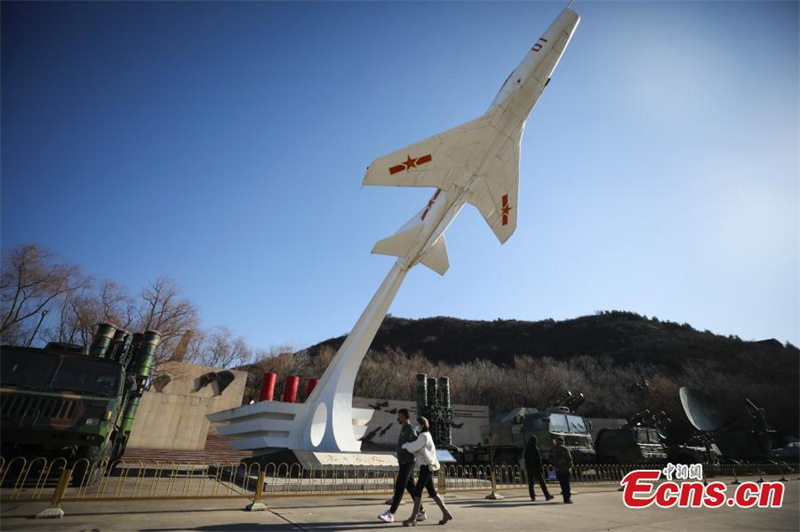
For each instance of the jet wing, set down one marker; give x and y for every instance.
(454, 156)
(437, 161)
(497, 193)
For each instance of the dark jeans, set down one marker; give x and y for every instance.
(535, 475)
(425, 481)
(405, 481)
(563, 479)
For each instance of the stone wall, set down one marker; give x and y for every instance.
(172, 414)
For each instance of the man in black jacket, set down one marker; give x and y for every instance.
(405, 476)
(562, 463)
(533, 465)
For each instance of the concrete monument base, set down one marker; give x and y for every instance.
(321, 461)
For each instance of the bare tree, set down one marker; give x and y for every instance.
(222, 349)
(409, 370)
(319, 363)
(82, 309)
(377, 375)
(539, 382)
(468, 382)
(33, 281)
(116, 305)
(163, 308)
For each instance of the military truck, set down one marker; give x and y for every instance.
(68, 401)
(505, 438)
(639, 441)
(693, 450)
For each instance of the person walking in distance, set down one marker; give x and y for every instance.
(424, 448)
(533, 465)
(562, 463)
(405, 476)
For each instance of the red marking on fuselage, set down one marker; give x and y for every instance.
(430, 203)
(506, 209)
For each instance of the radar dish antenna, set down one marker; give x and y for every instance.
(701, 410)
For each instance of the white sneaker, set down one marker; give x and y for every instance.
(422, 516)
(387, 517)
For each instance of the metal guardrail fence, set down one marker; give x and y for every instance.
(58, 481)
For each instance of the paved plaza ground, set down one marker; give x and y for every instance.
(595, 508)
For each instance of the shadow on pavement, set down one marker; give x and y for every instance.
(246, 527)
(231, 527)
(505, 504)
(146, 512)
(364, 525)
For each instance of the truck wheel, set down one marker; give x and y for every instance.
(90, 464)
(117, 451)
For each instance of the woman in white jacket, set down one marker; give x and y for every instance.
(425, 452)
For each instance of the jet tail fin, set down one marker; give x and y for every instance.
(436, 257)
(399, 244)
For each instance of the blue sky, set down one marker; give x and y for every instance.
(223, 145)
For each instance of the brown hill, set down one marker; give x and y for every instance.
(626, 337)
(623, 362)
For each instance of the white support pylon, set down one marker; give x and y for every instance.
(331, 424)
(327, 421)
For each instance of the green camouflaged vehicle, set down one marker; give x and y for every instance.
(510, 431)
(68, 401)
(641, 440)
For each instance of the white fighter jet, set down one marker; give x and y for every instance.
(476, 162)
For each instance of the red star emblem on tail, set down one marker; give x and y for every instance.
(409, 163)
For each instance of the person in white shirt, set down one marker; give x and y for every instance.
(425, 452)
